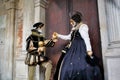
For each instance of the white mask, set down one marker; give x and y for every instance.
(39, 30)
(74, 25)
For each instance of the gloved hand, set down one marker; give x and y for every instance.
(92, 60)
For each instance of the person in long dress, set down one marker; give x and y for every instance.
(74, 65)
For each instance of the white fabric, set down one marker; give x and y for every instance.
(65, 37)
(83, 30)
(40, 30)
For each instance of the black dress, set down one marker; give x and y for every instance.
(74, 65)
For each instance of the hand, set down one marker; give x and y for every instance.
(55, 35)
(46, 41)
(90, 53)
(41, 49)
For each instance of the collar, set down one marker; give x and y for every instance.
(77, 26)
(35, 32)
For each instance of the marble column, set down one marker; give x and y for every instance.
(113, 19)
(112, 55)
(40, 6)
(8, 54)
(28, 20)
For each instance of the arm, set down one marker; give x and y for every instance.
(65, 37)
(29, 44)
(84, 33)
(49, 43)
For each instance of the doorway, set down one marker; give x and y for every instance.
(57, 20)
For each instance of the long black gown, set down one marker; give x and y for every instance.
(74, 65)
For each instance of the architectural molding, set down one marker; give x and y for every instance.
(110, 37)
(113, 18)
(41, 3)
(9, 4)
(114, 44)
(9, 40)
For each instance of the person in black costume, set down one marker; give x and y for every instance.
(36, 44)
(77, 61)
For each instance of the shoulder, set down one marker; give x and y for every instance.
(84, 27)
(29, 38)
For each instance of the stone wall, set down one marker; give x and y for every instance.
(112, 56)
(7, 15)
(109, 17)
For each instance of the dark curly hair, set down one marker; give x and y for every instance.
(77, 17)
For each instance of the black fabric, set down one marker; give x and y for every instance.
(93, 60)
(33, 56)
(59, 64)
(35, 38)
(28, 59)
(27, 43)
(64, 51)
(39, 24)
(77, 17)
(50, 43)
(42, 58)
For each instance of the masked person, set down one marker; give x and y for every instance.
(75, 64)
(36, 44)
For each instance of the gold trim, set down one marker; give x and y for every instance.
(36, 34)
(78, 26)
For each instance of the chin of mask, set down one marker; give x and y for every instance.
(74, 24)
(40, 30)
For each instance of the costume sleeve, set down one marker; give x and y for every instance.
(84, 33)
(30, 45)
(49, 43)
(27, 43)
(65, 37)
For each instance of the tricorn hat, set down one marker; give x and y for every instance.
(39, 24)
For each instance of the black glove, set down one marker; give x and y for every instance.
(92, 60)
(51, 43)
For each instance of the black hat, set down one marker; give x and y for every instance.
(39, 24)
(77, 17)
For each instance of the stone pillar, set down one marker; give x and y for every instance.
(40, 6)
(8, 53)
(21, 70)
(28, 20)
(103, 32)
(112, 46)
(113, 19)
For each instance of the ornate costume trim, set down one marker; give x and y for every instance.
(37, 34)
